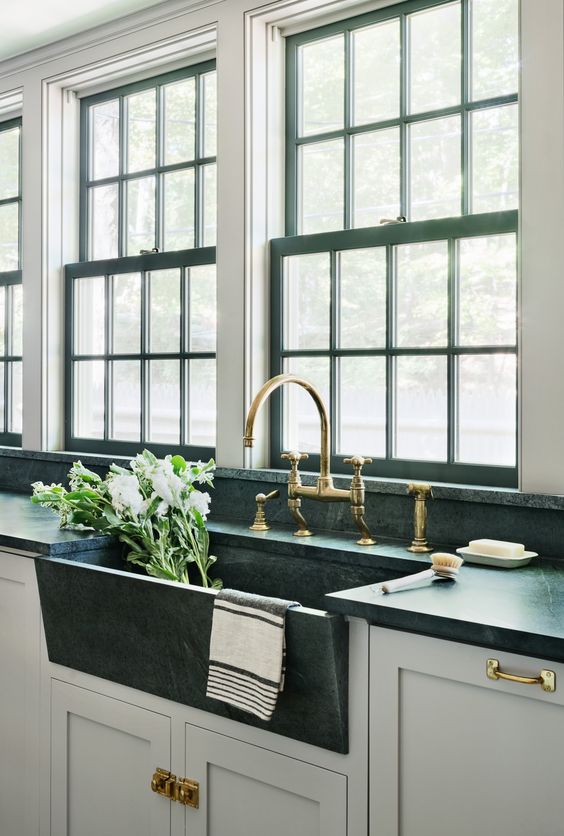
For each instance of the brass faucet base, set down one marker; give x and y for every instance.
(303, 533)
(419, 548)
(366, 541)
(259, 527)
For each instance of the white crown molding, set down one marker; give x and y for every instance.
(123, 26)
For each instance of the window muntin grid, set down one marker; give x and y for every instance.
(141, 354)
(11, 294)
(148, 165)
(402, 368)
(416, 397)
(380, 130)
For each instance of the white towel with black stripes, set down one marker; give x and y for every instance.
(248, 651)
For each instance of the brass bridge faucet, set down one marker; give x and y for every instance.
(324, 490)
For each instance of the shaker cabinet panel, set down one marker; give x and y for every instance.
(454, 752)
(249, 791)
(20, 625)
(103, 754)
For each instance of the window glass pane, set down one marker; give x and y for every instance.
(362, 424)
(141, 130)
(435, 58)
(209, 83)
(201, 402)
(301, 418)
(104, 140)
(376, 72)
(487, 409)
(322, 167)
(487, 290)
(179, 105)
(178, 191)
(495, 159)
(362, 298)
(435, 168)
(9, 163)
(421, 408)
(2, 321)
(203, 308)
(495, 47)
(210, 204)
(376, 177)
(9, 236)
(16, 291)
(104, 213)
(321, 88)
(126, 400)
(2, 404)
(422, 294)
(89, 399)
(140, 215)
(88, 315)
(307, 301)
(126, 313)
(164, 306)
(15, 420)
(164, 405)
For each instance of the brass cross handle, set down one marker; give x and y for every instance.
(358, 463)
(294, 457)
(260, 523)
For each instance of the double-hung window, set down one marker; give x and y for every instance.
(10, 284)
(395, 288)
(141, 304)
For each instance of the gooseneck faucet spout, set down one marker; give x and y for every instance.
(266, 391)
(324, 491)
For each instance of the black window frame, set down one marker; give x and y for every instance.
(450, 229)
(144, 264)
(9, 279)
(198, 163)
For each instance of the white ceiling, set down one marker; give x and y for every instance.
(26, 24)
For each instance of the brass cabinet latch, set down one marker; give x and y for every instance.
(184, 790)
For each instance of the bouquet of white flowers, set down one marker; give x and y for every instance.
(155, 509)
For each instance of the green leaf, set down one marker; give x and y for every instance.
(178, 464)
(217, 583)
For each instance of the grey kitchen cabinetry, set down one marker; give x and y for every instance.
(104, 752)
(20, 644)
(249, 791)
(455, 752)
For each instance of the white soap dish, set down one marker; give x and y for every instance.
(496, 560)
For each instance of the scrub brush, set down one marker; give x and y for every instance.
(445, 567)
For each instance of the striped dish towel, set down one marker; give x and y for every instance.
(248, 651)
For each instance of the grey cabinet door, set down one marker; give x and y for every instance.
(454, 753)
(249, 791)
(103, 754)
(20, 631)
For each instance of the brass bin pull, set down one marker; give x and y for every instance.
(546, 679)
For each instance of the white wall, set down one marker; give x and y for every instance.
(249, 47)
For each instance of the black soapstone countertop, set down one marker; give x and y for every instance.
(518, 610)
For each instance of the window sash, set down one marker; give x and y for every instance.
(133, 264)
(11, 278)
(158, 171)
(465, 108)
(389, 235)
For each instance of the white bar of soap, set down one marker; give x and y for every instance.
(498, 548)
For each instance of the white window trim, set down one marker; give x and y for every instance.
(250, 58)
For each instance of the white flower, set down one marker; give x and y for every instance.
(125, 493)
(200, 501)
(162, 507)
(167, 484)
